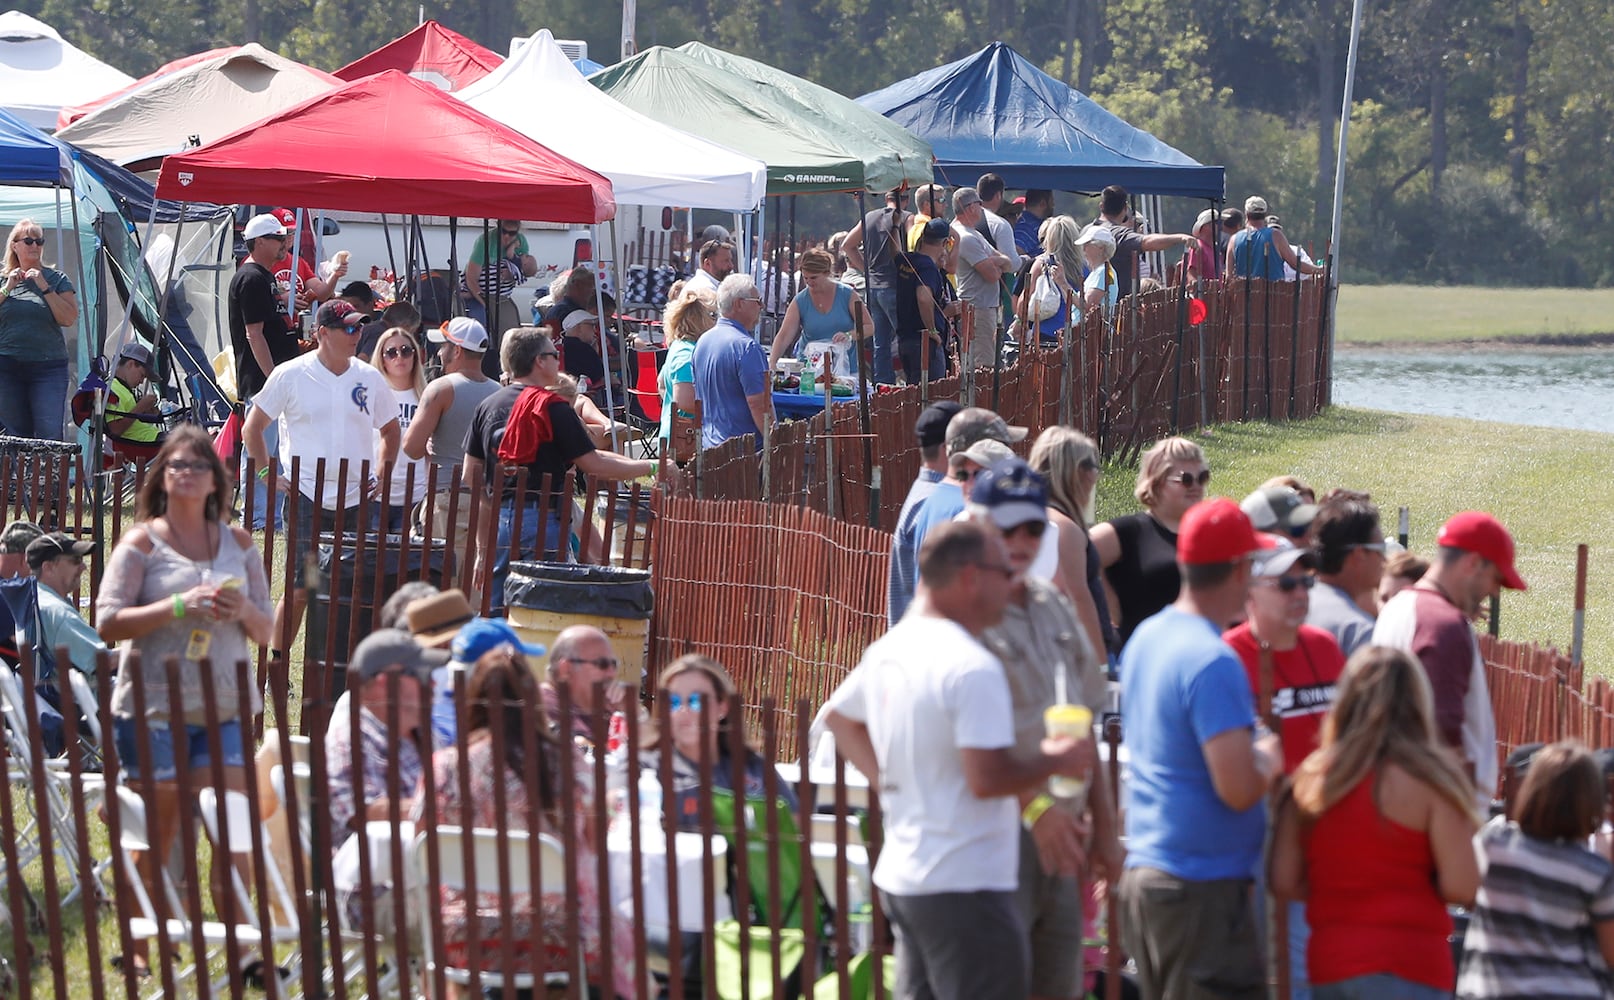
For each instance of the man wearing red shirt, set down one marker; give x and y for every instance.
(1301, 664)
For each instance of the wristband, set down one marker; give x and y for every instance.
(179, 606)
(1034, 810)
(263, 473)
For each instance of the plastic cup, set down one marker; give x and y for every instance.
(1075, 721)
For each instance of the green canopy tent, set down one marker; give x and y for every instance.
(813, 140)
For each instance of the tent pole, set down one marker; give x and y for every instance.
(456, 306)
(162, 293)
(392, 260)
(296, 259)
(599, 313)
(616, 321)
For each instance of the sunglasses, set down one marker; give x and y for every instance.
(1032, 529)
(679, 703)
(549, 354)
(401, 351)
(1290, 584)
(510, 232)
(179, 467)
(31, 241)
(1187, 479)
(598, 663)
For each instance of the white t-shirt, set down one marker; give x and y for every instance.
(926, 691)
(701, 280)
(1003, 238)
(408, 402)
(330, 416)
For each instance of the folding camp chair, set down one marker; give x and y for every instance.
(239, 819)
(452, 875)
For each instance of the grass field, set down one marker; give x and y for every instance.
(1546, 486)
(1370, 314)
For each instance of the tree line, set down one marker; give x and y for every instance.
(1480, 141)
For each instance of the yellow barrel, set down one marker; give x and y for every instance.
(544, 598)
(630, 638)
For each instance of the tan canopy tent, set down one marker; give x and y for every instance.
(208, 100)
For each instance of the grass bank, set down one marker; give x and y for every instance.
(1547, 486)
(1382, 314)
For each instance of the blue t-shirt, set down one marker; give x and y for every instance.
(946, 503)
(904, 576)
(1105, 281)
(678, 368)
(1181, 685)
(821, 327)
(1025, 235)
(729, 366)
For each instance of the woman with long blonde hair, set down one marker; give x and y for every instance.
(1377, 838)
(1068, 460)
(398, 356)
(688, 316)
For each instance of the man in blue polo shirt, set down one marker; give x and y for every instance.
(1200, 770)
(731, 368)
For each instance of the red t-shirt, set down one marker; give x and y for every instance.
(1303, 681)
(283, 281)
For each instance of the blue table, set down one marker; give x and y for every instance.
(794, 406)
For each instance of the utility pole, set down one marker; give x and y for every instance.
(630, 17)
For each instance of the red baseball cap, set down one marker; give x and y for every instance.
(1216, 531)
(287, 217)
(1478, 532)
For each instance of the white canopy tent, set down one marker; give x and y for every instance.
(40, 72)
(209, 100)
(649, 163)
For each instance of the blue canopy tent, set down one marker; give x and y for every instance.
(996, 112)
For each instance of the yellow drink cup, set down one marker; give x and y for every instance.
(1075, 721)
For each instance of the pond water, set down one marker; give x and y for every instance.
(1555, 387)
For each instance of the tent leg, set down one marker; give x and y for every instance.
(599, 311)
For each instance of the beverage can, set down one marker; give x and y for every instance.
(1075, 721)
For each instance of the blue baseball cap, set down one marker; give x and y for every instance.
(1010, 493)
(483, 634)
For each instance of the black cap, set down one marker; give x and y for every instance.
(935, 231)
(47, 547)
(931, 427)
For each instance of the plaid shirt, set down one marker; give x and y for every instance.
(377, 750)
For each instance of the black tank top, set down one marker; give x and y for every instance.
(1095, 587)
(1145, 578)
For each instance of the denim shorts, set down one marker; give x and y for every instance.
(198, 747)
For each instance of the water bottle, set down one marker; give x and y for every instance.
(649, 801)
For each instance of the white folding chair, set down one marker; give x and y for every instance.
(239, 819)
(452, 875)
(55, 794)
(177, 928)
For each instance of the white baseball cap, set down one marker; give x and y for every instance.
(262, 225)
(461, 331)
(577, 318)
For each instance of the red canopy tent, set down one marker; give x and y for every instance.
(432, 53)
(390, 143)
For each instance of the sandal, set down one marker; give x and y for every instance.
(140, 967)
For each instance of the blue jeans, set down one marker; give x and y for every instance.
(1380, 986)
(532, 514)
(33, 397)
(909, 351)
(883, 307)
(260, 489)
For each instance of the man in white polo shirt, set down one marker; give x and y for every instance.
(927, 715)
(329, 405)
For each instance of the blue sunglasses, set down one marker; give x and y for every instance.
(678, 703)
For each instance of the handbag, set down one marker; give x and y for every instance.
(1046, 297)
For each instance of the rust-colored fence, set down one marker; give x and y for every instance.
(1145, 373)
(786, 598)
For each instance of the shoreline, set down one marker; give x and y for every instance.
(1551, 342)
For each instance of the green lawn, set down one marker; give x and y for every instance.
(1424, 314)
(1545, 485)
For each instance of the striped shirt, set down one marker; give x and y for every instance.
(1533, 933)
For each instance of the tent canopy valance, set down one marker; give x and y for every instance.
(806, 148)
(359, 148)
(649, 163)
(996, 112)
